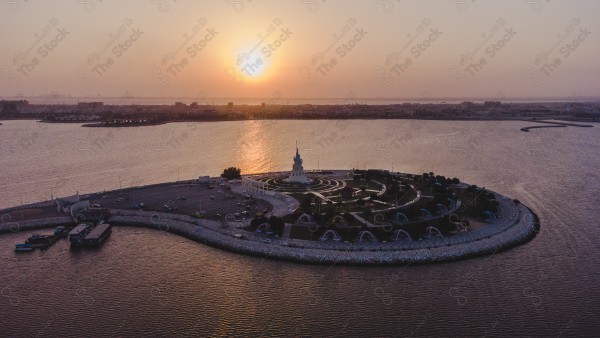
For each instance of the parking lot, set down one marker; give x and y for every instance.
(210, 200)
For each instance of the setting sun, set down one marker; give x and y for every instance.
(252, 65)
(252, 61)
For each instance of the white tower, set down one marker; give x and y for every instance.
(297, 174)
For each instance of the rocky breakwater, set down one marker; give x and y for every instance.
(518, 225)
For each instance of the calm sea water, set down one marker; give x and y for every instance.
(154, 283)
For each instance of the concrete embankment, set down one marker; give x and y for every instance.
(434, 250)
(489, 240)
(34, 224)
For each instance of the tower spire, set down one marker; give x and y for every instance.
(297, 175)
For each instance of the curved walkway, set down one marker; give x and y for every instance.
(282, 203)
(430, 251)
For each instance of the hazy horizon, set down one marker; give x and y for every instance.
(298, 49)
(52, 99)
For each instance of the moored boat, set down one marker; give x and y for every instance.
(78, 233)
(23, 247)
(97, 235)
(61, 231)
(39, 239)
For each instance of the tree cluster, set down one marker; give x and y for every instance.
(231, 173)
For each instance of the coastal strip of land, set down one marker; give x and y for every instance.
(98, 114)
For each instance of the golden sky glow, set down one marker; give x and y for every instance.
(301, 49)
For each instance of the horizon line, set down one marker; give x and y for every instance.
(349, 99)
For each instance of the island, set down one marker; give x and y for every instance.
(353, 217)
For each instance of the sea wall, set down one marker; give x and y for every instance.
(42, 204)
(34, 224)
(419, 252)
(489, 240)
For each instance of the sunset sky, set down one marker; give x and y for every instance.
(301, 48)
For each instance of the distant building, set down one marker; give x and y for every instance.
(467, 105)
(90, 105)
(13, 106)
(180, 105)
(492, 104)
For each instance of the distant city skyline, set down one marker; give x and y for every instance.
(290, 50)
(350, 99)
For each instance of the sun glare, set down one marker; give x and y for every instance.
(249, 65)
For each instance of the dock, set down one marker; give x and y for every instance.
(97, 235)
